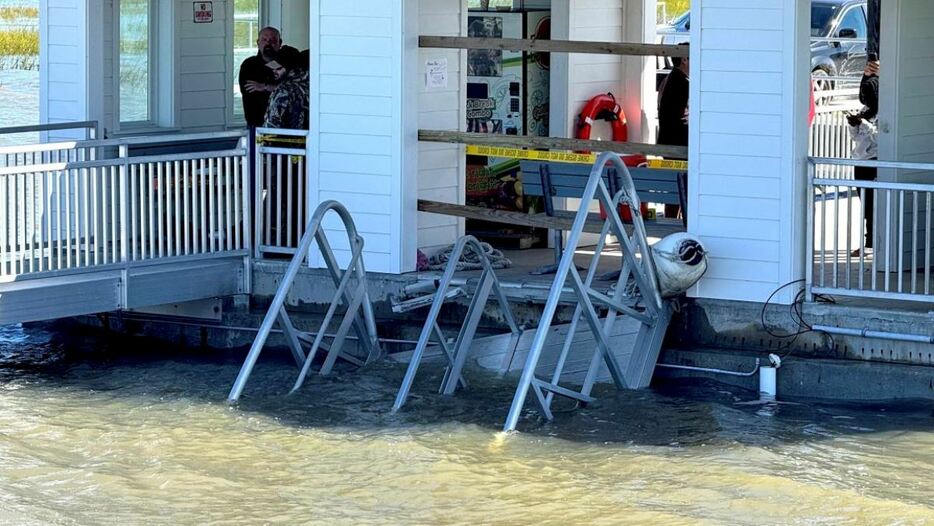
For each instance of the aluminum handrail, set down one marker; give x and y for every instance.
(119, 161)
(282, 131)
(898, 165)
(32, 128)
(356, 301)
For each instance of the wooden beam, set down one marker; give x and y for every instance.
(555, 46)
(552, 143)
(560, 222)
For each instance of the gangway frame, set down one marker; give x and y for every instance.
(645, 301)
(359, 313)
(457, 357)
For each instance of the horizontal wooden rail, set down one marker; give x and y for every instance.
(553, 143)
(563, 221)
(555, 46)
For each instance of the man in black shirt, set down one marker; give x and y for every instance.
(673, 105)
(257, 81)
(673, 112)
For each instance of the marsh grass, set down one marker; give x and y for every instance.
(19, 49)
(13, 13)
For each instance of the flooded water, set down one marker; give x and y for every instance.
(98, 430)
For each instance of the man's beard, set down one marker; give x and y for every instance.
(269, 51)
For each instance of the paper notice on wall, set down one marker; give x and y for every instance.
(436, 73)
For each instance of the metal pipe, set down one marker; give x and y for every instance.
(880, 335)
(710, 370)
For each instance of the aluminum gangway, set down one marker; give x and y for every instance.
(625, 342)
(636, 295)
(95, 226)
(350, 290)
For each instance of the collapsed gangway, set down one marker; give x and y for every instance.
(615, 335)
(92, 226)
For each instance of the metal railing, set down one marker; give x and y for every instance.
(830, 137)
(73, 215)
(91, 128)
(282, 186)
(868, 238)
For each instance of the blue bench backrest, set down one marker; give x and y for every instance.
(166, 148)
(568, 180)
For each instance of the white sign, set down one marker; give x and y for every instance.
(204, 12)
(436, 73)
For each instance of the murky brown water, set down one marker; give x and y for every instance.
(95, 432)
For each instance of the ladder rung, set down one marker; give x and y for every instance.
(562, 391)
(425, 301)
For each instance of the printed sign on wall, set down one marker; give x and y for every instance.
(204, 12)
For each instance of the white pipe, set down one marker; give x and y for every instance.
(881, 335)
(709, 370)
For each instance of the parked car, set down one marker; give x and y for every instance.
(833, 24)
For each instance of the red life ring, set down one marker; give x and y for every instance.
(603, 107)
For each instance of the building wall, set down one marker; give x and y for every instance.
(365, 153)
(579, 77)
(441, 166)
(747, 145)
(64, 64)
(202, 69)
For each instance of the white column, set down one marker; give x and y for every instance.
(363, 149)
(748, 145)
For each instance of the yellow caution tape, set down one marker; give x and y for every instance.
(279, 139)
(668, 164)
(563, 157)
(532, 155)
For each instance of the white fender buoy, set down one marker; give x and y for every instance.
(680, 260)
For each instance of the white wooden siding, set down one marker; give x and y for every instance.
(63, 63)
(441, 167)
(202, 69)
(589, 75)
(365, 152)
(746, 179)
(914, 141)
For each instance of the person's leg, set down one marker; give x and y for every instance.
(867, 174)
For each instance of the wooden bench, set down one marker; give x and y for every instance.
(551, 179)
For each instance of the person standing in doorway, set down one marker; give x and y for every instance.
(673, 112)
(865, 137)
(257, 81)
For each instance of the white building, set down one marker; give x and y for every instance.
(749, 133)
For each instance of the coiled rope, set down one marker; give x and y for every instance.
(469, 260)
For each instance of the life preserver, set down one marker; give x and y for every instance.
(603, 107)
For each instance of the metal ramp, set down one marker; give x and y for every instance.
(636, 295)
(351, 289)
(457, 357)
(98, 226)
(623, 345)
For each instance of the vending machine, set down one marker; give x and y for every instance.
(507, 94)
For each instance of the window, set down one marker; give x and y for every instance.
(854, 19)
(135, 56)
(246, 26)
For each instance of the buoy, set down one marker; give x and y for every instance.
(680, 261)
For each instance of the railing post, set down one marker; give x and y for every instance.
(809, 248)
(257, 192)
(124, 202)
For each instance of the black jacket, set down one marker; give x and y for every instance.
(672, 104)
(255, 104)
